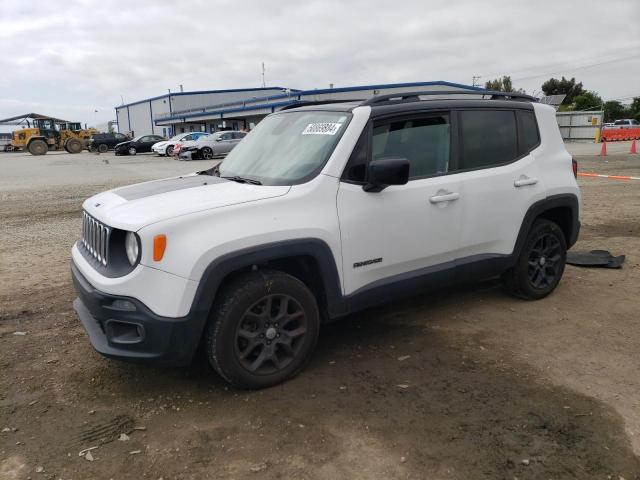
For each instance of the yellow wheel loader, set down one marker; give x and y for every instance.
(40, 133)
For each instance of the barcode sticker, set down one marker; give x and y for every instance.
(326, 128)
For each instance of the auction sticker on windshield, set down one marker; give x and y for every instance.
(323, 128)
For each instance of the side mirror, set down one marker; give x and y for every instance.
(386, 171)
(219, 139)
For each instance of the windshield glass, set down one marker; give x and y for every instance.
(137, 138)
(286, 148)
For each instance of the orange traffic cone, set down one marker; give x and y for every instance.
(634, 148)
(603, 150)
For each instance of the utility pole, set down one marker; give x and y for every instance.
(475, 80)
(263, 84)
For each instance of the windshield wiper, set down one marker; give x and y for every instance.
(239, 179)
(214, 171)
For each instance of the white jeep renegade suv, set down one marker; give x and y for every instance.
(320, 211)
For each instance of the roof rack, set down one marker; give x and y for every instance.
(305, 103)
(415, 96)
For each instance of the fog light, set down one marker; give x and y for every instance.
(125, 305)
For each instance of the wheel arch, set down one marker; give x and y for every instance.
(309, 260)
(562, 209)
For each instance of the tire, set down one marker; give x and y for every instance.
(38, 147)
(251, 347)
(73, 145)
(169, 151)
(540, 264)
(103, 148)
(132, 150)
(206, 153)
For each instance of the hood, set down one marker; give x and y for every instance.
(136, 206)
(122, 144)
(159, 144)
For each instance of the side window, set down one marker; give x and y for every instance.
(489, 138)
(120, 136)
(187, 138)
(226, 136)
(528, 131)
(424, 141)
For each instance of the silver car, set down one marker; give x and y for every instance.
(210, 146)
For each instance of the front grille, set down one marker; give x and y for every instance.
(95, 238)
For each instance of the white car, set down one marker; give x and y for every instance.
(215, 145)
(166, 147)
(321, 211)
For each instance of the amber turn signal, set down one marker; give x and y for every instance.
(159, 246)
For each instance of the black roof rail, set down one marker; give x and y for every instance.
(304, 103)
(415, 96)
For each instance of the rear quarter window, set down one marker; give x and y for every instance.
(528, 131)
(489, 138)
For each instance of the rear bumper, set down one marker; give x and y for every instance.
(124, 328)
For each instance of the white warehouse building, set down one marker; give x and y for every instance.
(237, 109)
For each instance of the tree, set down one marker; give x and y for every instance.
(634, 108)
(613, 110)
(587, 101)
(502, 85)
(567, 87)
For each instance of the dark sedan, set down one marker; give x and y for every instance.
(140, 144)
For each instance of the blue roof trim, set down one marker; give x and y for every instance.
(200, 92)
(220, 113)
(301, 93)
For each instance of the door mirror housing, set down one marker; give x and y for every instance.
(386, 171)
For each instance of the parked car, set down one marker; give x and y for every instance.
(140, 144)
(322, 211)
(103, 142)
(166, 146)
(217, 144)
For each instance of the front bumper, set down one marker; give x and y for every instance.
(124, 328)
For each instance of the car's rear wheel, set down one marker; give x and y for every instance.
(132, 150)
(207, 153)
(263, 329)
(541, 263)
(103, 148)
(169, 151)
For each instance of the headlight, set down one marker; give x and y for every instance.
(132, 247)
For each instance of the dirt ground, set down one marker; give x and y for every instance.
(464, 384)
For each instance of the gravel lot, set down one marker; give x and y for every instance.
(464, 384)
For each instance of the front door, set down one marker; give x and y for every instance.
(404, 231)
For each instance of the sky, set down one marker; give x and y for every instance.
(79, 59)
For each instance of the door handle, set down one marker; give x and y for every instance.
(524, 181)
(444, 197)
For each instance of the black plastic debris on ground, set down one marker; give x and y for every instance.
(595, 258)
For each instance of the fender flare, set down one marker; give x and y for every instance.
(225, 265)
(567, 200)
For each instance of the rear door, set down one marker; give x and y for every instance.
(499, 176)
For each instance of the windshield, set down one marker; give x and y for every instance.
(286, 148)
(137, 138)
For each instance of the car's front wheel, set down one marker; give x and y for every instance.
(207, 153)
(263, 329)
(132, 150)
(169, 151)
(541, 263)
(103, 148)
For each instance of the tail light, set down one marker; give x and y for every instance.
(574, 166)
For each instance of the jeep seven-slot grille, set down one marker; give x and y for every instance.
(95, 238)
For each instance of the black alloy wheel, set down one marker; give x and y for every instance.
(206, 153)
(540, 264)
(270, 334)
(262, 329)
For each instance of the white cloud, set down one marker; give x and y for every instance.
(78, 56)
